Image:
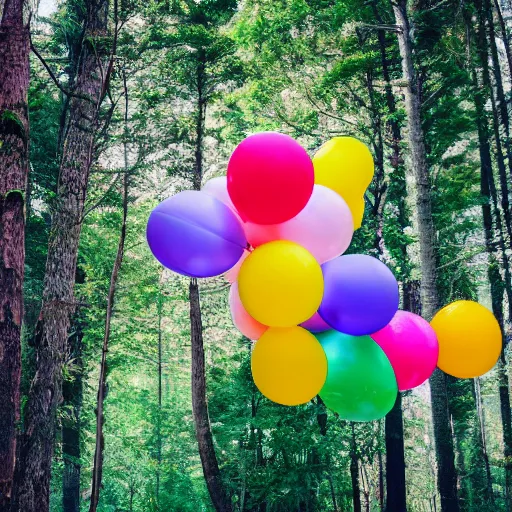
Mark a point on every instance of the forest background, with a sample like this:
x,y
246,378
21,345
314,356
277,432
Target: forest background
x,y
107,107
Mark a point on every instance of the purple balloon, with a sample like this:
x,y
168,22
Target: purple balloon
x,y
315,324
195,234
360,294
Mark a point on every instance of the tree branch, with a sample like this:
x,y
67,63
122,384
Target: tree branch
x,y
53,77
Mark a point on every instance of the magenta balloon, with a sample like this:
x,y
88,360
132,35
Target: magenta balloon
x,y
315,324
270,178
411,347
244,322
196,235
218,188
324,227
360,294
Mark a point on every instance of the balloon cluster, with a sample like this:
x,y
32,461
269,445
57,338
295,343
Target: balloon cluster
x,y
326,323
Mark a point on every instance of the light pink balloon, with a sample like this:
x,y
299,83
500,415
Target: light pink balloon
x,y
218,188
324,227
244,322
232,274
316,324
411,347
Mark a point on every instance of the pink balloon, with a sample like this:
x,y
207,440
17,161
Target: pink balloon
x,y
218,188
232,274
244,322
324,227
411,346
316,324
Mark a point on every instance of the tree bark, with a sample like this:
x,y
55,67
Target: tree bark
x,y
446,474
72,392
481,426
159,418
200,407
488,192
32,481
394,430
354,471
395,459
14,145
204,434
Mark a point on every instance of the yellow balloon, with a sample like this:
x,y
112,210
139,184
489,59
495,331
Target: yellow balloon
x,y
357,210
280,284
469,339
288,365
345,165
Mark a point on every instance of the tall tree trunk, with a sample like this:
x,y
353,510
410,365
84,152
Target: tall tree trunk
x,y
159,418
32,481
97,472
446,481
488,192
394,430
395,459
500,117
354,471
204,434
504,35
72,392
477,394
14,143
200,407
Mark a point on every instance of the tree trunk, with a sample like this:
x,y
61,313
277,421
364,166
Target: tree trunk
x,y
481,426
72,391
32,481
204,434
200,407
500,116
504,35
159,418
14,143
97,472
395,459
394,430
487,190
446,481
354,471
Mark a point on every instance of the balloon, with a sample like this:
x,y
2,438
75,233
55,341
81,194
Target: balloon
x,y
218,188
195,235
357,210
360,384
244,322
315,324
360,295
232,274
324,227
469,339
280,284
411,347
270,178
288,365
345,165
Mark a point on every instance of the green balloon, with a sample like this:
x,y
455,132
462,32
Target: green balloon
x,y
361,383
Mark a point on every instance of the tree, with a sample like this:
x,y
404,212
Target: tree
x,y
14,163
31,491
102,386
447,480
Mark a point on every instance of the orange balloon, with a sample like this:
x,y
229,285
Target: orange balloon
x,y
469,338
